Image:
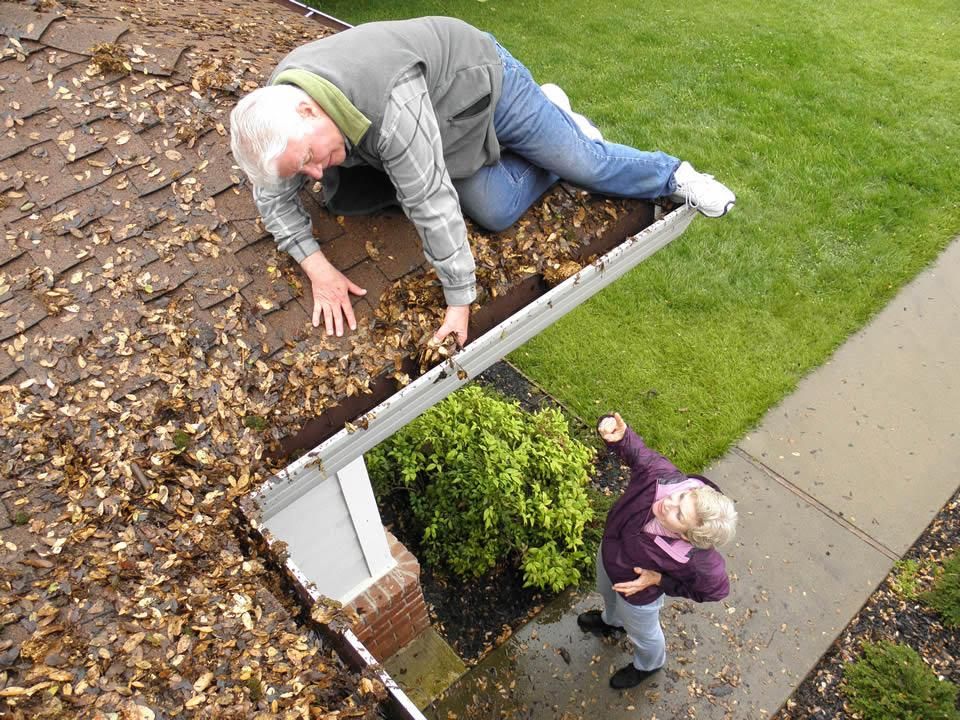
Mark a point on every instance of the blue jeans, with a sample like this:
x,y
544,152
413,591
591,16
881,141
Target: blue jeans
x,y
539,145
641,622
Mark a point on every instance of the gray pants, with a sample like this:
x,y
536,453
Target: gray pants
x,y
641,622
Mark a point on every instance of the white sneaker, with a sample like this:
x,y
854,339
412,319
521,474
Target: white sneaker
x,y
701,192
558,97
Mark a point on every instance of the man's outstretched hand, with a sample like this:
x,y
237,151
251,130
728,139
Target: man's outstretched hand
x,y
455,321
331,294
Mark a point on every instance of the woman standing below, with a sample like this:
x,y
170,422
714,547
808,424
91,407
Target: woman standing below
x,y
660,539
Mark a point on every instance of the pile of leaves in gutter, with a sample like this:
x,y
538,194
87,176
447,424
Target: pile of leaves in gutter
x,y
896,613
122,587
545,242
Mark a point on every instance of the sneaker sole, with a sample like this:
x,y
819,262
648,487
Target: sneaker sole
x,y
726,209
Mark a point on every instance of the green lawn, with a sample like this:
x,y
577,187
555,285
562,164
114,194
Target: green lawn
x,y
837,125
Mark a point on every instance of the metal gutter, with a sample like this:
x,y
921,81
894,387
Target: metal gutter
x,y
400,704
380,423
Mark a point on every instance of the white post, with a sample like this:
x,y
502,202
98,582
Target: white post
x,y
358,494
334,533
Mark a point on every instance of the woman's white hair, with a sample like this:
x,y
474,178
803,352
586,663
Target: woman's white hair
x,y
261,125
718,519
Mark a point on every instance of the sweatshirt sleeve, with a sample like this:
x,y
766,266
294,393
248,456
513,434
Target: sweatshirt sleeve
x,y
412,156
284,217
708,581
645,464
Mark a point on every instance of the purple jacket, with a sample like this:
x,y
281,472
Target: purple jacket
x,y
687,571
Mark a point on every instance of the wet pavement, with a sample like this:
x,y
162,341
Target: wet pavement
x,y
832,487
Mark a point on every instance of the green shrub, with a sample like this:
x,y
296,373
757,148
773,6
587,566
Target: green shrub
x,y
944,596
181,439
487,481
905,579
256,422
891,682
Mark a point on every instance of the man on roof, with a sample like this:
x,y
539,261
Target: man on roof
x,y
454,123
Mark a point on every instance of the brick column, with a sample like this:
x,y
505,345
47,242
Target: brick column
x,y
392,610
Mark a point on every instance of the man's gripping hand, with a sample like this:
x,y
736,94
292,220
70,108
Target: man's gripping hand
x,y
331,294
455,321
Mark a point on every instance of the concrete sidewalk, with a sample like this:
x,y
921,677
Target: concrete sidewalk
x,y
834,485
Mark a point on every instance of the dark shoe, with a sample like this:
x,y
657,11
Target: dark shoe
x,y
592,621
629,676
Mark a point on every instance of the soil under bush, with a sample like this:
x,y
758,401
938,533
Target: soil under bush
x,y
475,616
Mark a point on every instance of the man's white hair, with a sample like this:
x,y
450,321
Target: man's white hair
x,y
261,125
718,519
